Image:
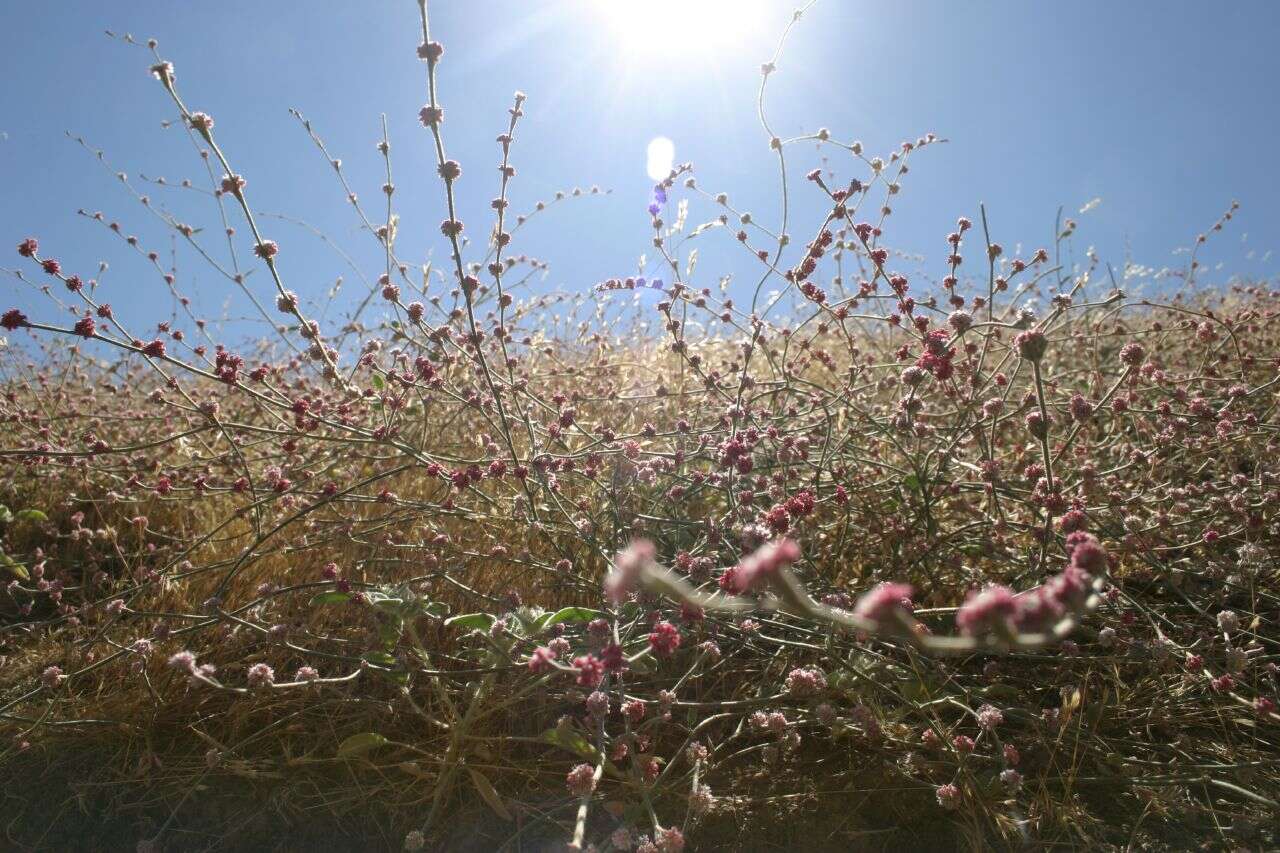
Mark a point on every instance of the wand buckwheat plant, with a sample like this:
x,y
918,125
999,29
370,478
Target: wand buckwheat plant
x,y
973,554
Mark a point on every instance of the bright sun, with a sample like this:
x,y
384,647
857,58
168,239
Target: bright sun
x,y
659,157
697,36
711,28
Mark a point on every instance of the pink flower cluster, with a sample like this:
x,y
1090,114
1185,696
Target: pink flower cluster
x,y
997,608
806,681
581,780
949,796
759,566
883,601
664,639
628,567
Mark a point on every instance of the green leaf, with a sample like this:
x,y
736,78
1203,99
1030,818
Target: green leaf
x,y
840,679
573,614
380,658
476,621
570,740
394,606
360,744
30,515
489,794
543,619
333,597
14,566
378,381
912,482
436,609
396,676
530,619
389,633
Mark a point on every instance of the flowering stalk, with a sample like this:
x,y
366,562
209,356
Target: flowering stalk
x,y
997,620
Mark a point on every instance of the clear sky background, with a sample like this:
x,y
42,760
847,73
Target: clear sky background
x,y
1166,111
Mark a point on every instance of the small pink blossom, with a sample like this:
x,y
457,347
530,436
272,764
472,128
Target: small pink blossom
x,y
261,675
628,568
52,676
541,660
987,610
762,564
949,796
664,639
884,601
581,780
806,681
590,670
989,717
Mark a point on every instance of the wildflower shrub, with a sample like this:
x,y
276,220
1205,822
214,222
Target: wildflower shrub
x,y
924,563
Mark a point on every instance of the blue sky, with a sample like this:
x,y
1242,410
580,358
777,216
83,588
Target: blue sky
x,y
1164,111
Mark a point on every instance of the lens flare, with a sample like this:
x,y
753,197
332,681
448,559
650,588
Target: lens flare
x,y
659,158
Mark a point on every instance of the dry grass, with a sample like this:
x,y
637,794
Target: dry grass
x,y
1146,752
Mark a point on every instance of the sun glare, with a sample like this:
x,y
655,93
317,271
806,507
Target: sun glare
x,y
706,27
659,157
